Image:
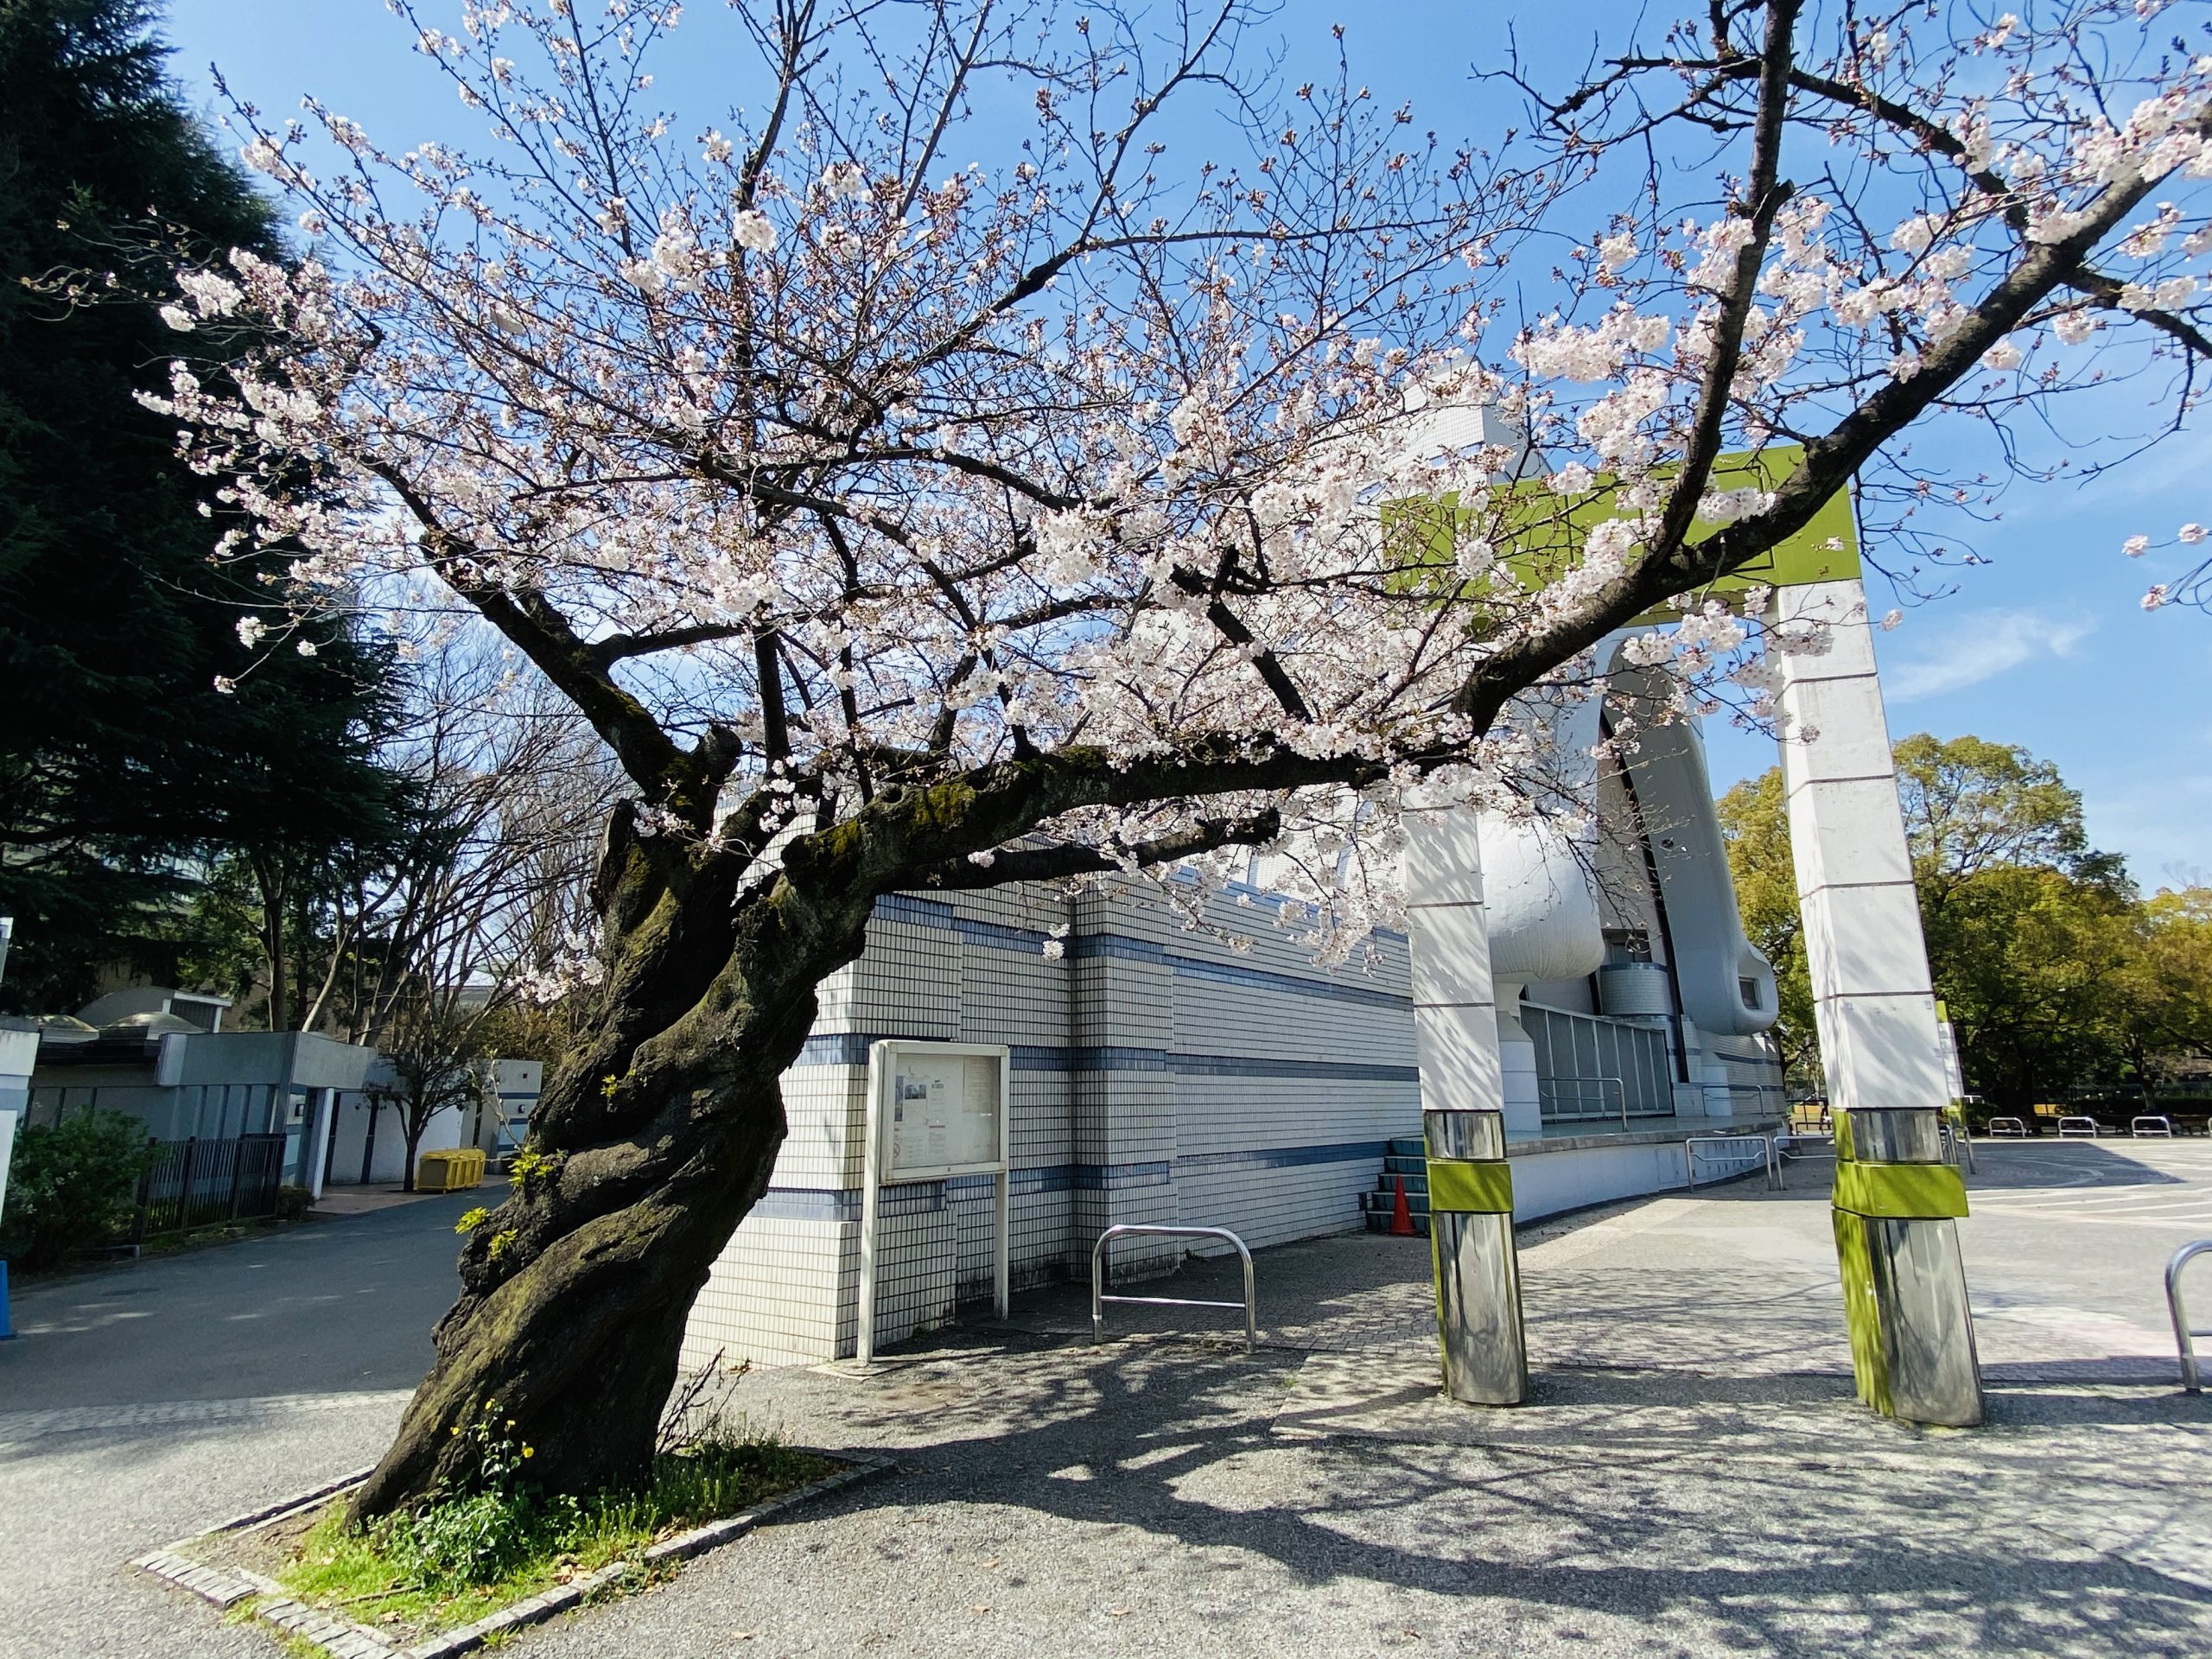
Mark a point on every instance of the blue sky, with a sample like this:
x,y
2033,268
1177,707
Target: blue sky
x,y
2045,646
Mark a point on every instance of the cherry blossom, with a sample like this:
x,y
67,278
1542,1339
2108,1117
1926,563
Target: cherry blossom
x,y
906,505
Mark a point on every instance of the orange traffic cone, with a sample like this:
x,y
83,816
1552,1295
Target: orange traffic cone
x,y
1401,1214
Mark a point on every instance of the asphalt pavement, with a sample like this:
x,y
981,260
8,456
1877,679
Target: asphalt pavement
x,y
327,1307
142,1402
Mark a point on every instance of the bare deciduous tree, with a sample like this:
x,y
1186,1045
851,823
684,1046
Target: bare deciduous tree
x,y
478,903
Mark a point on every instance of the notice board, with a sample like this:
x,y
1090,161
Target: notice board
x,y
940,1108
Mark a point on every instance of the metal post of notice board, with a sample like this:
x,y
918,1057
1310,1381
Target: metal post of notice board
x,y
935,1111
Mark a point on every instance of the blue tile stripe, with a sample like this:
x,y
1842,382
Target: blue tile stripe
x,y
1224,973
936,913
850,1048
922,1198
1240,1065
1343,1152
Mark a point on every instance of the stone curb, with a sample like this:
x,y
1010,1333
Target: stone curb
x,y
277,1511
343,1639
682,1548
220,1588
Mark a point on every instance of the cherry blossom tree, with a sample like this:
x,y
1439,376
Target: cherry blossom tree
x,y
906,516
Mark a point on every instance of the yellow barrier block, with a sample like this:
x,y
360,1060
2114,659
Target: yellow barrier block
x,y
450,1172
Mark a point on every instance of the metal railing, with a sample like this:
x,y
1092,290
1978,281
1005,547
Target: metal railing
x,y
1131,1229
1757,1146
2157,1124
2077,1129
1742,1099
1958,1147
2185,1339
2006,1128
1820,1145
1579,1056
1561,1113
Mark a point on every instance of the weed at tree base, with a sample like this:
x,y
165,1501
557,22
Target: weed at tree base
x,y
460,1558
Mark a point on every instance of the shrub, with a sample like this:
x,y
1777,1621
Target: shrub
x,y
72,1187
292,1202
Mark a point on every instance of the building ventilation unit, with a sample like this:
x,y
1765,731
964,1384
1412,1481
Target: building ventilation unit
x,y
1634,990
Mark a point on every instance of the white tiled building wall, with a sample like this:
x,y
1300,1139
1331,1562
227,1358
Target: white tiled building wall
x,y
1158,1074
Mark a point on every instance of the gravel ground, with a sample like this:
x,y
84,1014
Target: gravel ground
x,y
1154,1498
1692,1478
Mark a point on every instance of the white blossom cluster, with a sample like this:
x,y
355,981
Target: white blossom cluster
x,y
878,464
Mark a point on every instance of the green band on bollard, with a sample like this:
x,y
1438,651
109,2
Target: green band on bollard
x,y
1900,1192
1455,1184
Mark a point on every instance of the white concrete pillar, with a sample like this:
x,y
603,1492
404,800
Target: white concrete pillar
x,y
1455,1012
1904,1290
1874,1000
322,1109
1520,1089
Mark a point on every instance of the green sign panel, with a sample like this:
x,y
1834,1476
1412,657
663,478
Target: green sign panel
x,y
1539,534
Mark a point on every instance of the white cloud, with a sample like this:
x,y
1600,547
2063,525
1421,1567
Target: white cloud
x,y
1977,646
2159,823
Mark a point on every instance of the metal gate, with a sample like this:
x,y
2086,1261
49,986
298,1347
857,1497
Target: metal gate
x,y
195,1183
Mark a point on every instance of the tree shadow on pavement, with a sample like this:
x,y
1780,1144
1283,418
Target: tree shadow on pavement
x,y
2000,1164
1756,1514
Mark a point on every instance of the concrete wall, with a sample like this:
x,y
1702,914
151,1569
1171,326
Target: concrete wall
x,y
388,1153
1548,1183
1159,1074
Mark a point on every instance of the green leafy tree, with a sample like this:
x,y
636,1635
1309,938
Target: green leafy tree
x,y
2026,957
1971,805
1755,826
2036,942
2165,985
2022,918
124,763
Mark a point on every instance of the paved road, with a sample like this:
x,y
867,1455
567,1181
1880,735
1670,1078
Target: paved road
x,y
1154,1499
141,1404
1694,1479
2066,1250
332,1307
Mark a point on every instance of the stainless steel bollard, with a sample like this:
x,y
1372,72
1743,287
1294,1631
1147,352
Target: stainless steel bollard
x,y
1897,1205
1478,1267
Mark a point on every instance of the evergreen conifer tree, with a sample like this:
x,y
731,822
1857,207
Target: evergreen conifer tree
x,y
126,763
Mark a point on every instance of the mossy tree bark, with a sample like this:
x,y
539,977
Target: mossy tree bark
x,y
658,1133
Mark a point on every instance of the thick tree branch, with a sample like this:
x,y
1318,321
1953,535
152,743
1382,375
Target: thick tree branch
x,y
1058,863
621,646
1231,627
648,754
2106,291
910,828
1831,460
1765,194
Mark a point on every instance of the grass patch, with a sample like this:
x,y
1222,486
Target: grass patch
x,y
471,1556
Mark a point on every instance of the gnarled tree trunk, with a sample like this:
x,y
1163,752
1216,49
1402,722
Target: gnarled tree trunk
x,y
659,1132
653,1143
